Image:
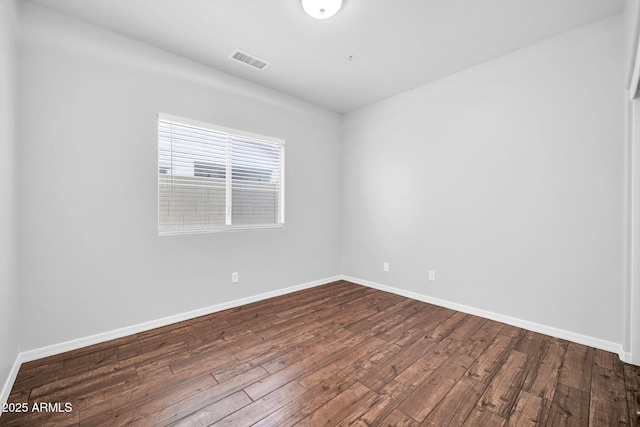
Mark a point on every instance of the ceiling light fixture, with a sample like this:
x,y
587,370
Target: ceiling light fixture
x,y
321,9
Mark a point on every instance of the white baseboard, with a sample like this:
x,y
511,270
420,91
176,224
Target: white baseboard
x,y
8,384
51,350
513,321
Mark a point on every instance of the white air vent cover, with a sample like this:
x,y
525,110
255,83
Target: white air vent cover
x,y
249,60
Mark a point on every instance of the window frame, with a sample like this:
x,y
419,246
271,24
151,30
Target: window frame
x,y
230,134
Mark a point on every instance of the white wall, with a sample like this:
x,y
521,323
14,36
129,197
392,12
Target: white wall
x,y
632,187
631,28
632,342
91,257
506,179
9,295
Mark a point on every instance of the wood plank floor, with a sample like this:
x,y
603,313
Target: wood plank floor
x,y
339,354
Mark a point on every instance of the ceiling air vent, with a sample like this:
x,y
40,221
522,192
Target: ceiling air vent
x,y
249,60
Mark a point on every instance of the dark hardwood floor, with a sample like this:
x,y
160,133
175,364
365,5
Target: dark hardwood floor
x,y
339,354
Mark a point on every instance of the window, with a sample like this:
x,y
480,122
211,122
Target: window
x,y
213,179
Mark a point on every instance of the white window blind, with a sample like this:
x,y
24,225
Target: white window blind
x,y
212,178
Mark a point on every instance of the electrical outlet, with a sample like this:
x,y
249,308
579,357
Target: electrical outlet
x,y
432,275
385,266
234,277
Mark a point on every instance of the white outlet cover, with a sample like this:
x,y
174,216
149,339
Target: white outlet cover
x,y
385,266
432,275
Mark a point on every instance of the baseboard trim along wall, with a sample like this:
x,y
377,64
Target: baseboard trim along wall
x,y
51,350
13,374
513,321
39,353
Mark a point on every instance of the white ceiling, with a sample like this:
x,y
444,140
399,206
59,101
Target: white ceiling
x,y
395,44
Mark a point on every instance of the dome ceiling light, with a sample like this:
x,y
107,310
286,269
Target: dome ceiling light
x,y
321,9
